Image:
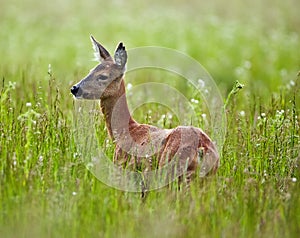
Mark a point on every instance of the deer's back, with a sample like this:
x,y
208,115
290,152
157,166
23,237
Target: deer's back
x,y
147,144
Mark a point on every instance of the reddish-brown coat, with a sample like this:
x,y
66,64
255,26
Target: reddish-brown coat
x,y
138,143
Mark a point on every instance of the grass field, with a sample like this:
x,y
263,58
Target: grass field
x,y
45,188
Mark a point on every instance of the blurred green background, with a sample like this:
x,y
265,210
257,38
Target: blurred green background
x,y
256,42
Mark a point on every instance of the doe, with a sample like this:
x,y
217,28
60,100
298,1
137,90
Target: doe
x,y
187,148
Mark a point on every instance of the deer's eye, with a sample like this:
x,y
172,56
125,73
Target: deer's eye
x,y
103,77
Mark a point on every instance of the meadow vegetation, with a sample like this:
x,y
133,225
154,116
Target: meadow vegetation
x,y
45,188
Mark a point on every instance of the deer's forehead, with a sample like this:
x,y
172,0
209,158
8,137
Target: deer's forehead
x,y
104,69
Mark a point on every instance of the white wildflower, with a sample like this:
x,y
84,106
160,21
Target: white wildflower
x,y
41,158
279,113
194,101
129,86
201,83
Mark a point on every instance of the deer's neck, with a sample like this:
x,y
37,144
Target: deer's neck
x,y
116,113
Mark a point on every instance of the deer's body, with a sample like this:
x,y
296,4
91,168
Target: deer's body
x,y
139,143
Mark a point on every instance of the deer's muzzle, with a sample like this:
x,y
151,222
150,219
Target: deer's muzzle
x,y
76,91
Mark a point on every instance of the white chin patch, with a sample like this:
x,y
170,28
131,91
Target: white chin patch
x,y
77,97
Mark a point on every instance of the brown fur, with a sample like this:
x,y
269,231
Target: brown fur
x,y
137,143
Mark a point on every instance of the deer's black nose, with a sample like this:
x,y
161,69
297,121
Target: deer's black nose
x,y
74,90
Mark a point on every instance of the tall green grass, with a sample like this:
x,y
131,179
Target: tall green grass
x,y
45,189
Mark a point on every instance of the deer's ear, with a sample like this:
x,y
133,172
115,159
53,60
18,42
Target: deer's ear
x,y
121,55
101,54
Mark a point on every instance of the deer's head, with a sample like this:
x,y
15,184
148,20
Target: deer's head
x,y
105,79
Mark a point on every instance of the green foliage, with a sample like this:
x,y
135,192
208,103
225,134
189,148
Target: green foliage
x,y
46,190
